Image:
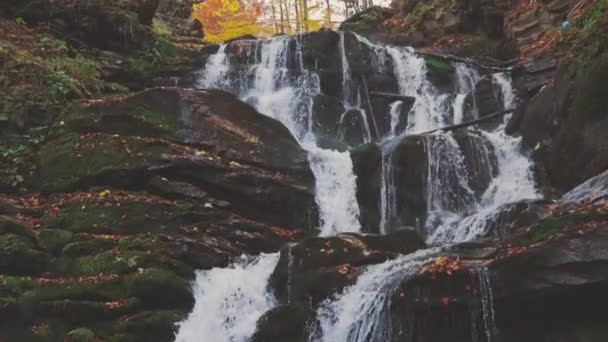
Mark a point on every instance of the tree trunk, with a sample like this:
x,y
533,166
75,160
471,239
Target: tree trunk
x,y
295,3
282,26
328,14
273,14
304,11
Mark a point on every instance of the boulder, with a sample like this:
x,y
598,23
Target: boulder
x,y
366,160
563,122
315,268
556,268
286,323
121,25
201,142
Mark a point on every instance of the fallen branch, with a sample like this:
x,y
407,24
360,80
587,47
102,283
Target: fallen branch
x,y
406,99
471,123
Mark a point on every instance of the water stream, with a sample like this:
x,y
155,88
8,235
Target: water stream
x,y
265,77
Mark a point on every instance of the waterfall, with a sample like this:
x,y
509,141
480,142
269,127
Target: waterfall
x,y
360,314
351,96
276,90
229,301
513,182
466,78
485,311
271,75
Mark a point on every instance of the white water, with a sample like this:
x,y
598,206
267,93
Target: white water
x,y
287,96
360,314
351,95
513,182
455,212
229,301
466,78
487,303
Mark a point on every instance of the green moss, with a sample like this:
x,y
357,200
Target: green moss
x,y
554,224
166,123
81,335
129,218
72,160
109,263
159,324
148,284
437,63
13,287
93,290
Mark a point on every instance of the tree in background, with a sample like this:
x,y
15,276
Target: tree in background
x,y
226,19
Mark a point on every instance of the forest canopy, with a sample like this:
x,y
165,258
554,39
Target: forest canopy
x,y
226,19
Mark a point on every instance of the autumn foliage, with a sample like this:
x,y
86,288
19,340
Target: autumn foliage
x,y
226,19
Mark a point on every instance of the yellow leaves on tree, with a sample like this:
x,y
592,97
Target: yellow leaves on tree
x,y
226,19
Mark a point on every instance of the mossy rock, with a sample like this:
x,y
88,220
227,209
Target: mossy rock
x,y
126,118
367,21
18,255
287,323
150,283
80,335
126,261
53,240
12,287
73,160
554,224
150,325
9,225
125,217
87,247
99,290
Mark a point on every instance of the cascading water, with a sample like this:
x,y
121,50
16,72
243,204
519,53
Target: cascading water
x,y
285,94
454,210
466,78
229,301
359,314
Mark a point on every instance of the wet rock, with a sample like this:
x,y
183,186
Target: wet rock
x,y
485,100
366,159
563,122
315,268
327,111
594,189
288,323
533,269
